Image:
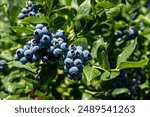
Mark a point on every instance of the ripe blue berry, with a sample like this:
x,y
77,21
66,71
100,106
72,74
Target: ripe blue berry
x,y
37,32
45,30
39,26
72,47
21,15
24,10
78,62
45,39
68,62
63,46
57,52
20,52
16,57
23,60
31,13
73,71
28,54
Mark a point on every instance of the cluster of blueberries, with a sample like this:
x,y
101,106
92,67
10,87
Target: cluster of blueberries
x,y
130,82
130,33
47,46
2,64
30,10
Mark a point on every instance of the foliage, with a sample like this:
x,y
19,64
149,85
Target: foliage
x,y
120,65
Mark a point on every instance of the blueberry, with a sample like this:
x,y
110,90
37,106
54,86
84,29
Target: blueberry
x,y
60,40
63,46
35,49
31,13
73,71
66,69
51,48
57,52
24,10
79,47
26,47
35,57
2,62
68,62
45,30
78,53
28,54
72,47
71,54
21,15
16,58
59,33
37,32
23,60
20,52
29,2
78,62
45,39
87,55
39,26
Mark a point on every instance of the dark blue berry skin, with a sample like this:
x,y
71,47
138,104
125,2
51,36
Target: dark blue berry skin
x,y
72,47
35,58
21,15
59,33
78,63
57,52
28,54
26,47
30,10
71,54
78,53
46,31
87,55
73,71
23,60
24,10
29,2
45,39
39,26
38,34
2,62
16,58
20,52
63,46
35,50
68,62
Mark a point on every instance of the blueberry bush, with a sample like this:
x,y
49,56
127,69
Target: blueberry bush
x,y
74,49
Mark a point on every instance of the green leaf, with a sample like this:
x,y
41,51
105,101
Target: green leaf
x,y
35,20
133,64
126,52
107,78
113,12
19,65
81,42
47,74
19,29
90,73
103,59
119,91
84,10
107,4
96,45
